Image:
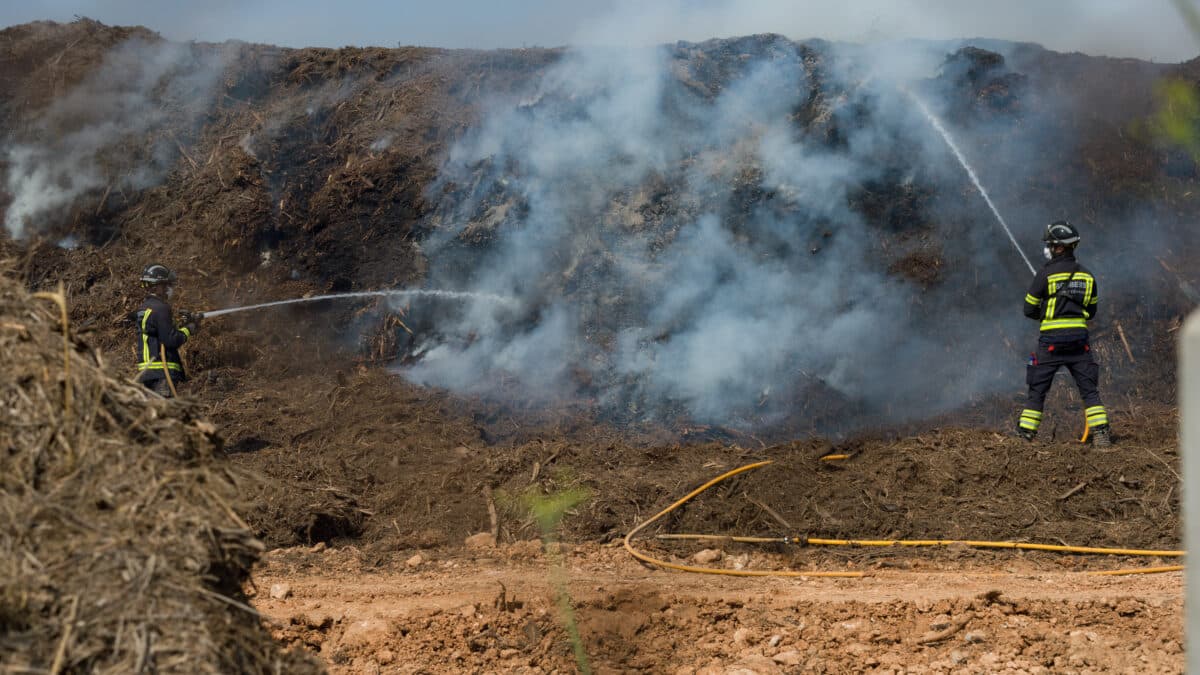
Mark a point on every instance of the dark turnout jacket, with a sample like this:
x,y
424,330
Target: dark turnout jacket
x,y
1063,297
156,326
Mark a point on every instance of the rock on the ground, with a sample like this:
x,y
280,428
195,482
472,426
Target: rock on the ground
x,y
280,591
480,541
790,657
708,555
975,636
366,632
753,665
414,561
940,622
525,550
318,619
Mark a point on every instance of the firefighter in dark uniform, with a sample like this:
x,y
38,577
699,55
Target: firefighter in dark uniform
x,y
159,337
1063,298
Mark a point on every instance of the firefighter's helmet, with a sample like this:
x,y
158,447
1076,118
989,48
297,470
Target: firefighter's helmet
x,y
1061,233
158,274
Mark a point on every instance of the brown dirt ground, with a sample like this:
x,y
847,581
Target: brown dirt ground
x,y
1018,614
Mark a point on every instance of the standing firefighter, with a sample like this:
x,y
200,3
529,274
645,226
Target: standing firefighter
x,y
159,338
1063,298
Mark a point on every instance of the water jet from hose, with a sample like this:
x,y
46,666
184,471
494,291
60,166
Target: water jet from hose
x,y
451,295
937,124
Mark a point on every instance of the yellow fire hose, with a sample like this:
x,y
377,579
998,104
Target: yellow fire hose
x,y
1139,570
708,570
813,541
869,542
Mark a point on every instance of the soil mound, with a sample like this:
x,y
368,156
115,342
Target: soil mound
x,y
120,550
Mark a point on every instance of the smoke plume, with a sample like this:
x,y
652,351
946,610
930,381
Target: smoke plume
x,y
119,129
689,230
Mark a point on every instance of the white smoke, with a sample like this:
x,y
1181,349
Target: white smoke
x,y
719,304
690,229
115,130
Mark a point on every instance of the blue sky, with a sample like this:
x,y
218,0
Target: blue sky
x,y
1149,29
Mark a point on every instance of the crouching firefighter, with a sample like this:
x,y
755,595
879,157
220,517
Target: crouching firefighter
x,y
1063,298
159,337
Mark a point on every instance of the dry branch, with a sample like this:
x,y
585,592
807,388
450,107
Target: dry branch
x,y
938,636
1184,286
495,521
103,199
1069,493
780,519
1121,333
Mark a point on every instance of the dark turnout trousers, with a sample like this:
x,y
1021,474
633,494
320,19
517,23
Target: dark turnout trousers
x,y
159,386
1039,375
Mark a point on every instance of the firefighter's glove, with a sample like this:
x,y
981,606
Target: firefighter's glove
x,y
190,321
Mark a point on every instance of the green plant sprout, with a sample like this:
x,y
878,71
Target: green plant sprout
x,y
1177,120
548,510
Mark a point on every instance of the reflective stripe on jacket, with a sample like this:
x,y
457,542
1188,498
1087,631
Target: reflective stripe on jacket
x,y
156,327
1063,297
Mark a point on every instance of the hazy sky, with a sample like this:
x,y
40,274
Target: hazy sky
x,y
1148,29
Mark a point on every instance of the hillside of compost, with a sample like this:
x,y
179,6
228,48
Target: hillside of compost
x,y
707,252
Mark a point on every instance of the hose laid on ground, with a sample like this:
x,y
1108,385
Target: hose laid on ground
x,y
708,570
1139,570
869,542
812,541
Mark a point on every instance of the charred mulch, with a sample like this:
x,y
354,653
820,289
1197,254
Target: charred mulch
x,y
120,546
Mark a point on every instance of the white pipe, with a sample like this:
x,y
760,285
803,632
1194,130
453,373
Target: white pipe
x,y
1189,415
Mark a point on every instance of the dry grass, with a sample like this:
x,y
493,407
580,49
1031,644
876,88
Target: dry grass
x,y
120,546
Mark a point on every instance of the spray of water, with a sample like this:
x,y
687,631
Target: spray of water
x,y
937,124
452,295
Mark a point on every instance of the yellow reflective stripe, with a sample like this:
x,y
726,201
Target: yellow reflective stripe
x,y
145,337
1032,300
1063,276
1054,280
1073,322
1035,414
186,332
1031,419
1093,422
1094,409
157,365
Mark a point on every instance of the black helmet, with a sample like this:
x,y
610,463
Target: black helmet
x,y
157,274
1062,233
